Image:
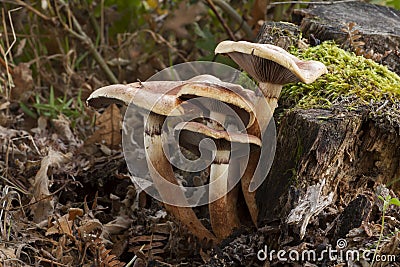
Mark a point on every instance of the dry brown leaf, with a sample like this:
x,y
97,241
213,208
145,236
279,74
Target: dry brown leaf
x,y
145,248
182,16
63,129
118,225
43,205
90,227
6,253
61,226
393,246
109,128
23,81
162,228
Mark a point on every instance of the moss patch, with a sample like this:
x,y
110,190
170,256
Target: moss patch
x,y
352,81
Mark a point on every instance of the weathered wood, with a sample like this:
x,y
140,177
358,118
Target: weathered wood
x,y
379,27
346,149
352,216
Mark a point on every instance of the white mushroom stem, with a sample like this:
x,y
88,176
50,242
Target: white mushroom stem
x,y
223,211
224,216
271,94
160,170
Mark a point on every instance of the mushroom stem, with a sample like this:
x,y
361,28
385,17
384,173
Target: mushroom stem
x,y
224,216
271,94
223,211
264,112
161,172
250,197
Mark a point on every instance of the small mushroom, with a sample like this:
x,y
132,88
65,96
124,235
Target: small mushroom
x,y
160,99
272,67
223,207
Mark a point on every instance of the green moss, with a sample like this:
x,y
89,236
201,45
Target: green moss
x,y
352,80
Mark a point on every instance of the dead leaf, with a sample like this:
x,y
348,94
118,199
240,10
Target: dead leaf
x,y
118,225
20,48
41,194
184,15
148,238
61,226
109,128
63,129
23,81
6,253
162,228
90,228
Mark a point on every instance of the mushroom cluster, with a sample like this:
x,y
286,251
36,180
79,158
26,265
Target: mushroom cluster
x,y
233,117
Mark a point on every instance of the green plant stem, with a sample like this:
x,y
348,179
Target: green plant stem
x,y
236,17
86,40
223,23
81,35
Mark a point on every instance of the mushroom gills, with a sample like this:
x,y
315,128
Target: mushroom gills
x,y
264,70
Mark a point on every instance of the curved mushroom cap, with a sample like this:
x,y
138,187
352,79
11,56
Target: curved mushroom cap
x,y
191,133
270,63
239,99
157,96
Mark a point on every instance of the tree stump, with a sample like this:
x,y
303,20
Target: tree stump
x,y
350,150
379,27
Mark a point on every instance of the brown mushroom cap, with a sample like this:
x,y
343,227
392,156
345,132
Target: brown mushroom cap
x,y
159,97
270,63
239,99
